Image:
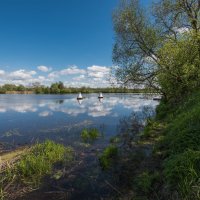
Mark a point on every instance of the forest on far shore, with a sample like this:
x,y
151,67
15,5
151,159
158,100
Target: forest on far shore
x,y
60,88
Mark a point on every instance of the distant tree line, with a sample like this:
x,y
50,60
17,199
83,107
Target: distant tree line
x,y
59,88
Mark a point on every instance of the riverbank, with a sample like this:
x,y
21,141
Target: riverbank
x,y
164,161
19,92
158,161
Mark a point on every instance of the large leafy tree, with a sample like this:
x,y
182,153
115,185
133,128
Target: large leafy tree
x,y
159,48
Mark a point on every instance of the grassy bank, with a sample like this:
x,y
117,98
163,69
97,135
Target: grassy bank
x,y
176,143
32,166
179,147
164,163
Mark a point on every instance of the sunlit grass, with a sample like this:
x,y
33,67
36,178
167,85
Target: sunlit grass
x,y
34,165
180,145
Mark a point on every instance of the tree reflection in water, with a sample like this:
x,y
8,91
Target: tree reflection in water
x,y
130,126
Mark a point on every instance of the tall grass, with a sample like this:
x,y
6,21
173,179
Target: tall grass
x,y
34,165
39,162
181,144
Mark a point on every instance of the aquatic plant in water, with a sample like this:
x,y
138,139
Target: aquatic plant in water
x,y
107,157
89,135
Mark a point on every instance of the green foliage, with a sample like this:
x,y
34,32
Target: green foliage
x,y
179,67
39,161
154,52
89,135
184,125
2,90
144,181
108,156
180,145
59,88
35,164
184,170
152,128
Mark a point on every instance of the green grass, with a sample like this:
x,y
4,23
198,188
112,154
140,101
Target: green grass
x,y
108,156
180,146
39,162
144,181
184,170
89,135
34,165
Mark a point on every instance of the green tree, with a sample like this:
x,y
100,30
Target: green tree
x,y
55,88
21,88
10,87
61,85
158,48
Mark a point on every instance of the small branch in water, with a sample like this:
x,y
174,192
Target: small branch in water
x,y
113,187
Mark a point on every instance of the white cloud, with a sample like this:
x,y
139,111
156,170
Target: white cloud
x,y
21,74
79,78
92,76
72,70
53,75
98,68
98,71
2,110
2,72
44,68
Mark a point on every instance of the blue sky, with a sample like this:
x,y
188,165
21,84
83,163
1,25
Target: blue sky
x,y
51,40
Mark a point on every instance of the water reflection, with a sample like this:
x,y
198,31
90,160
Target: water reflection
x,y
91,106
45,113
80,101
100,100
31,113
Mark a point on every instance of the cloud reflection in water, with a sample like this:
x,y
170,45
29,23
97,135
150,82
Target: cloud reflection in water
x,y
90,106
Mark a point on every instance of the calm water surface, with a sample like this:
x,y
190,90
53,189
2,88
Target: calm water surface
x,y
26,118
